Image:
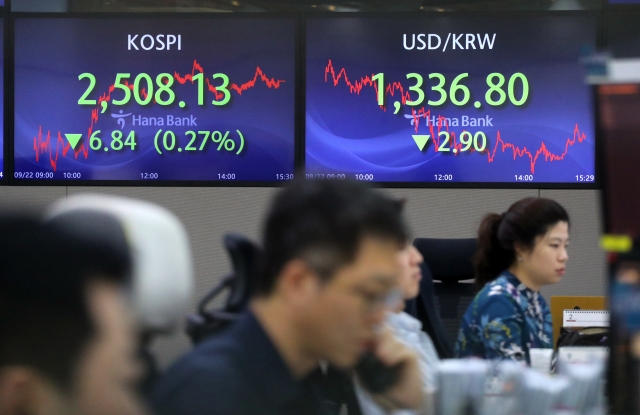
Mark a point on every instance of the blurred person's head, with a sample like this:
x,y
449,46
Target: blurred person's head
x,y
410,259
410,273
530,239
67,339
331,266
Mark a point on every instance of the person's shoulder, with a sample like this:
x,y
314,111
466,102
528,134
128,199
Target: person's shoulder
x,y
505,285
207,380
498,296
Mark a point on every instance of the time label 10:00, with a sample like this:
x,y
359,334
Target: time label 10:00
x,y
143,88
459,94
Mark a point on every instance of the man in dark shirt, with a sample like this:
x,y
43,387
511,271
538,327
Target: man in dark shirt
x,y
329,275
67,331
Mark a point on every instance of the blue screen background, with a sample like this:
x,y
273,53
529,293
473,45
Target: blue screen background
x,y
52,52
348,133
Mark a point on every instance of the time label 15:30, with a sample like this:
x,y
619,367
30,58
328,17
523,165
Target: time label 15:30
x,y
458,93
144,89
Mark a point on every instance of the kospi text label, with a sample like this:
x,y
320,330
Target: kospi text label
x,y
154,42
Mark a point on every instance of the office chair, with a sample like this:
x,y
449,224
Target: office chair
x,y
245,260
162,268
444,297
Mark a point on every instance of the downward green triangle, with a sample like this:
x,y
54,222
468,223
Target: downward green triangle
x,y
73,139
421,140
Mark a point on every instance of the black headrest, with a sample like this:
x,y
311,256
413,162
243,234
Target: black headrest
x,y
245,258
449,260
246,261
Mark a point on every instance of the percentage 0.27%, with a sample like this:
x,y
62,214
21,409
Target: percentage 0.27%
x,y
169,142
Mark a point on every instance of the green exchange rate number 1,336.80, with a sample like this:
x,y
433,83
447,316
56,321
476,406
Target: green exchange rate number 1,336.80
x,y
459,94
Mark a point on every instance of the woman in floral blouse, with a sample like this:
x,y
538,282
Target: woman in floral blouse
x,y
519,251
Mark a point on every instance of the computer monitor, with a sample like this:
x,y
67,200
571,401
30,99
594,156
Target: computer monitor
x,y
476,99
148,99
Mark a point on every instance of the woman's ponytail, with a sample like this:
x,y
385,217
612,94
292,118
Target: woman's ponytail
x,y
491,257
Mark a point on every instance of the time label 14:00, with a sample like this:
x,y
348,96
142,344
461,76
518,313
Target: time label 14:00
x,y
144,89
458,93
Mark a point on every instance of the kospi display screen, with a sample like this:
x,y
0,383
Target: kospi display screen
x,y
487,99
158,99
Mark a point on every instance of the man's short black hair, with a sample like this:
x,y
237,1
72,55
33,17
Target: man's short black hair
x,y
324,222
44,272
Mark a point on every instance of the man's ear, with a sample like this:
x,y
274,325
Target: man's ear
x,y
298,282
18,390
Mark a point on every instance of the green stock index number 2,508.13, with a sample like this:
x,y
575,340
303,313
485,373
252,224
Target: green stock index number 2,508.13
x,y
494,96
143,87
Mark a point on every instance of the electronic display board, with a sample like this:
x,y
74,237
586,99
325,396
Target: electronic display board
x,y
154,98
450,98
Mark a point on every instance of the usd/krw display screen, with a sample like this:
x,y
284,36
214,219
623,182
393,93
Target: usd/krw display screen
x,y
450,98
160,99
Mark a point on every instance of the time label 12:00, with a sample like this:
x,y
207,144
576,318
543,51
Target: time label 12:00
x,y
458,93
144,89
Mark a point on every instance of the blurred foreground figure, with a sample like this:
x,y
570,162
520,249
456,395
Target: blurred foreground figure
x,y
329,276
161,268
67,334
161,285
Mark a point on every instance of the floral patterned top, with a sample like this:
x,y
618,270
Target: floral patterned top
x,y
504,321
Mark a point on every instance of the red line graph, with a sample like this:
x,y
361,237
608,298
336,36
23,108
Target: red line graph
x,y
500,144
42,145
356,87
